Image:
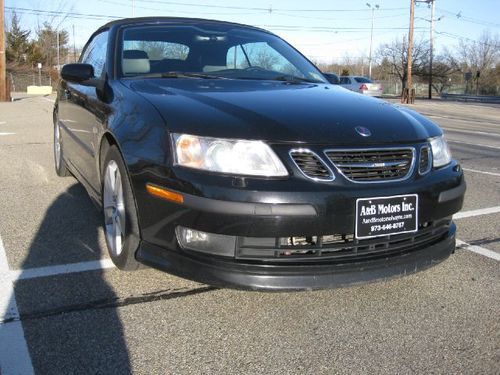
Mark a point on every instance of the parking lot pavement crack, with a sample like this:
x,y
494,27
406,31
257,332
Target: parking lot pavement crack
x,y
111,303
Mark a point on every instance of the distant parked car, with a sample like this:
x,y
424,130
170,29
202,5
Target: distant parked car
x,y
362,85
332,78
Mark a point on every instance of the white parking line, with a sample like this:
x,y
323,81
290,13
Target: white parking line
x,y
471,131
474,144
479,250
483,172
14,354
481,211
32,273
7,134
2,122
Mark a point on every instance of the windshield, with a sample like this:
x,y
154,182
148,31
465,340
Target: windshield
x,y
211,51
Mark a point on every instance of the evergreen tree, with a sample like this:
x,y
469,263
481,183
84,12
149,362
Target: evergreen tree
x,y
18,43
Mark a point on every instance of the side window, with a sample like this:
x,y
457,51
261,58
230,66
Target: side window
x,y
344,81
95,53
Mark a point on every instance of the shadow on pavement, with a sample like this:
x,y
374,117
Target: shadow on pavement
x,y
60,337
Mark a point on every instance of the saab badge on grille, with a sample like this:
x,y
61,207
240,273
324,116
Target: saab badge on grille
x,y
362,131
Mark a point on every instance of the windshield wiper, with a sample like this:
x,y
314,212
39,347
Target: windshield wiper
x,y
176,75
294,79
189,75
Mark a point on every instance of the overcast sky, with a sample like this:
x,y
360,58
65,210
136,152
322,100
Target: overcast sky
x,y
325,31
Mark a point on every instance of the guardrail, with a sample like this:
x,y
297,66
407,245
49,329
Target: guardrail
x,y
471,98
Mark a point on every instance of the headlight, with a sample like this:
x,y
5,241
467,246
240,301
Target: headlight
x,y
231,156
441,154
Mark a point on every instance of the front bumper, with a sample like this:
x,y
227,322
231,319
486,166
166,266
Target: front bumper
x,y
223,272
276,209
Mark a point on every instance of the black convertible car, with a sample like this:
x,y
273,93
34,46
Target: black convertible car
x,y
219,153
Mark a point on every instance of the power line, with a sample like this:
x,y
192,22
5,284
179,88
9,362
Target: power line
x,y
270,9
329,28
177,12
335,19
274,27
477,21
458,37
60,13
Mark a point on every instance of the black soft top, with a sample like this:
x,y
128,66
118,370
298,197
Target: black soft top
x,y
173,20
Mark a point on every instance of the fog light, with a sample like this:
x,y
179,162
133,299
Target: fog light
x,y
210,243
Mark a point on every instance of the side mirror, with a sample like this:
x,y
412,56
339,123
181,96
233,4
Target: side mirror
x,y
77,72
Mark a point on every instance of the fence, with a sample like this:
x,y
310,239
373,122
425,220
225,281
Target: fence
x,y
394,88
20,80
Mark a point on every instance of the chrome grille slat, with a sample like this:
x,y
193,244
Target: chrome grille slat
x,y
373,165
311,165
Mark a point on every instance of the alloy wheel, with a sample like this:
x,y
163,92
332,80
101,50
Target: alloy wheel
x,y
57,146
114,208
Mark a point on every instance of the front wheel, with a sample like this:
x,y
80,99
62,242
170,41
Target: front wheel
x,y
121,225
59,163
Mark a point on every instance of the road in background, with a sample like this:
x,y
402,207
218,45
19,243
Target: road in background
x,y
104,321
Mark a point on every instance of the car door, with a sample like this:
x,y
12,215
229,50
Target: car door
x,y
81,113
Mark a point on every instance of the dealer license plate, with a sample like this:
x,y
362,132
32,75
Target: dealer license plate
x,y
382,216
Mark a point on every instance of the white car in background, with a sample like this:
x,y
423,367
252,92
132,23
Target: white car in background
x,y
361,85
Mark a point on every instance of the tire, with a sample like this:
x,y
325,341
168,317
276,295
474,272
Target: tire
x,y
121,225
59,163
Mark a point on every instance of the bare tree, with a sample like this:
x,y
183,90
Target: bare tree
x,y
393,58
480,58
47,39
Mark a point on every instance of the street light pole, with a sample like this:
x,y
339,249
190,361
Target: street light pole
x,y
371,38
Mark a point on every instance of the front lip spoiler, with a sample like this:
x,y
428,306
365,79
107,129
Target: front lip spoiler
x,y
230,273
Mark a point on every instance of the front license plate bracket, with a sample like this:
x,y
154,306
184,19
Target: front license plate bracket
x,y
383,216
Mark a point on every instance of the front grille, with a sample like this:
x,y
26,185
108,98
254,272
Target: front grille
x,y
373,165
339,247
424,165
311,165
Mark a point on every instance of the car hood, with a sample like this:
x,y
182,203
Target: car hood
x,y
280,112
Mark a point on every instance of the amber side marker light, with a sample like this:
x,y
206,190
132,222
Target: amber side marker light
x,y
164,193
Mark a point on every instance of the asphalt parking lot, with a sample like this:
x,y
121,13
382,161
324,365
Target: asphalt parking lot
x,y
67,310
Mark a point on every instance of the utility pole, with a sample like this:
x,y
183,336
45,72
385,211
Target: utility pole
x,y
431,48
3,74
58,57
74,45
407,96
371,39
